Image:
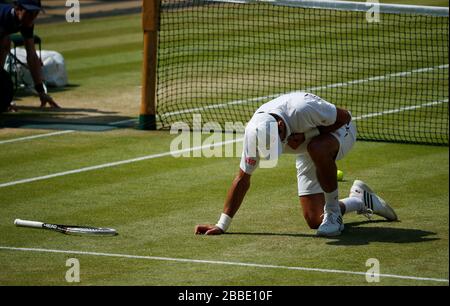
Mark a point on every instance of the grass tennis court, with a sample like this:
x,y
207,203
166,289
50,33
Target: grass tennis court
x,y
155,203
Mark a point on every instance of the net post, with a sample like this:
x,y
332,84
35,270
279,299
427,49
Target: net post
x,y
150,23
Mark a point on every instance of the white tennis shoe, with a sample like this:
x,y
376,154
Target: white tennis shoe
x,y
332,224
373,204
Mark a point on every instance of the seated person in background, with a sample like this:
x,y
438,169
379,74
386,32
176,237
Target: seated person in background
x,y
20,17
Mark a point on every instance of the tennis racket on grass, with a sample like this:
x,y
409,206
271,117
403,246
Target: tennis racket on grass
x,y
68,229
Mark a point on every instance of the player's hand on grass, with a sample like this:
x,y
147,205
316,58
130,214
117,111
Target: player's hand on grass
x,y
207,229
45,98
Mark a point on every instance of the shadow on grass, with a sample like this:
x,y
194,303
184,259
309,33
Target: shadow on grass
x,y
299,235
355,234
22,93
36,110
66,118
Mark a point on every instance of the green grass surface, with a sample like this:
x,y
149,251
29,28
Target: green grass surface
x,y
155,205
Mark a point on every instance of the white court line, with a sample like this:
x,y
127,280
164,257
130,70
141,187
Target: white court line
x,y
36,136
336,85
215,262
58,133
123,121
401,109
113,164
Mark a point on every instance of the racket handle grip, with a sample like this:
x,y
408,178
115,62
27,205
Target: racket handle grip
x,y
26,223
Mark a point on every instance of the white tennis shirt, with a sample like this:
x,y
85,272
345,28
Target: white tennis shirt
x,y
300,111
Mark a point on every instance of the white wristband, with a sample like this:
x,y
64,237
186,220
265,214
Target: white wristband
x,y
312,133
224,222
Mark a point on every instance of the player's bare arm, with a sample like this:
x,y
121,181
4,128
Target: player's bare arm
x,y
233,201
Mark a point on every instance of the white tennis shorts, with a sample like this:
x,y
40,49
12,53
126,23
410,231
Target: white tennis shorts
x,y
306,170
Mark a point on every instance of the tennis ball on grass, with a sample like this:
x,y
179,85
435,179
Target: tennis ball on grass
x,y
340,175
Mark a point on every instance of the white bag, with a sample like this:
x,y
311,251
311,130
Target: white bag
x,y
54,69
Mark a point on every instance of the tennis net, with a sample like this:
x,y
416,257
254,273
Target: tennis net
x,y
387,64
